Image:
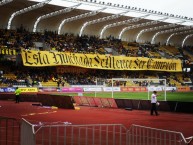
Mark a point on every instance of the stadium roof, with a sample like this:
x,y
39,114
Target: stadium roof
x,y
133,20
179,10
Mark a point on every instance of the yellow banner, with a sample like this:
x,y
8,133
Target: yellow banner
x,y
48,58
7,51
34,90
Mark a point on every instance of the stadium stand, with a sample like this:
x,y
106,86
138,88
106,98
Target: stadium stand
x,y
84,44
21,37
29,26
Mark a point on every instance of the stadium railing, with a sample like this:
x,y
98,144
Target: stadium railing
x,y
98,134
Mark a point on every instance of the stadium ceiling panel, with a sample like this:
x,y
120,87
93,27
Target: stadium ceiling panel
x,y
156,28
188,36
25,10
134,14
118,8
177,33
65,10
92,13
170,31
121,23
122,16
140,25
100,20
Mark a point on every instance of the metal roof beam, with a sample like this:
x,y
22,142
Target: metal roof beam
x,y
62,11
120,23
140,25
100,20
157,28
177,33
3,2
25,10
170,31
188,36
92,13
133,9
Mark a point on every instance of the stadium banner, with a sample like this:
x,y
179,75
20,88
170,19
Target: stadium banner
x,y
70,69
94,102
171,88
183,89
161,88
133,89
27,90
153,88
47,89
110,89
36,58
7,51
73,89
7,90
88,86
12,89
94,89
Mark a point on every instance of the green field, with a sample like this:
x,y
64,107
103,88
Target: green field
x,y
170,96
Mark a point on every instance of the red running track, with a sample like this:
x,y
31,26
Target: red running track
x,y
179,122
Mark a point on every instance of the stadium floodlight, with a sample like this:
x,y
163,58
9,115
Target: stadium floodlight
x,y
100,20
188,36
140,25
27,9
92,13
65,10
120,23
3,2
170,31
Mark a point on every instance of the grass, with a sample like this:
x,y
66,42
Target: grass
x,y
170,96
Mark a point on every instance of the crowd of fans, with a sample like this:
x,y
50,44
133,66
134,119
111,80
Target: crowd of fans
x,y
34,76
22,39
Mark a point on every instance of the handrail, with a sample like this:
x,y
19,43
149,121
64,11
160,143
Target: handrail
x,y
189,140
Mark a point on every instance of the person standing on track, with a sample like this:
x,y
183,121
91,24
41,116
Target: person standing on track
x,y
17,95
154,103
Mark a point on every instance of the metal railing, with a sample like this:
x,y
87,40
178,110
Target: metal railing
x,y
64,133
142,135
93,134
